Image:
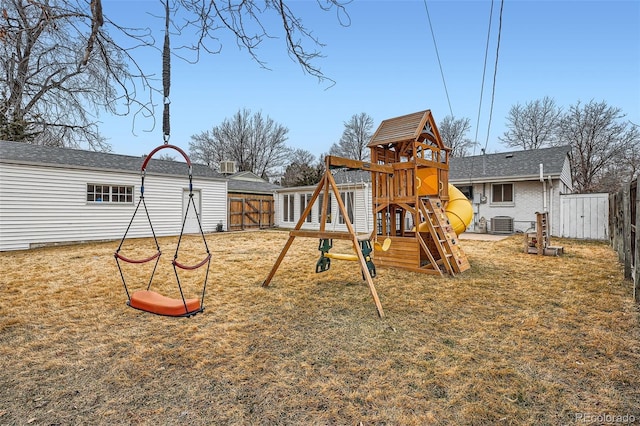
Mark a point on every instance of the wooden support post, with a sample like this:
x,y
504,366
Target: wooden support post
x,y
287,245
356,245
278,261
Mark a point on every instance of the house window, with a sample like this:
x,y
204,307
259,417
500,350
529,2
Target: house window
x,y
321,206
502,193
304,201
109,194
287,207
347,200
467,191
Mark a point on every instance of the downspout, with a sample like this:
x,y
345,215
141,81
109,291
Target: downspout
x,y
550,206
544,189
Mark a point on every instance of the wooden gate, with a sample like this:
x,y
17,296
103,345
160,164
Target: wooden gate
x,y
584,216
248,211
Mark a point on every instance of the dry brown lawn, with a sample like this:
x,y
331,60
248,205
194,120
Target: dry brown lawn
x,y
518,339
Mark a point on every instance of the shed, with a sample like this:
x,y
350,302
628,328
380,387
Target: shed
x,y
251,201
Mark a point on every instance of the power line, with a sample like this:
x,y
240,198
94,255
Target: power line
x,y
495,73
484,71
433,36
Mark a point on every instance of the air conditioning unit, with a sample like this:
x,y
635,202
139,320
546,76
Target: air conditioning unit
x,y
502,225
227,167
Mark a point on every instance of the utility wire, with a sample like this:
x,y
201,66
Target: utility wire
x,y
495,73
484,71
433,36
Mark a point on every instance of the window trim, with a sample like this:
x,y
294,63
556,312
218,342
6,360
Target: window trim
x,y
304,202
288,206
92,192
502,202
349,200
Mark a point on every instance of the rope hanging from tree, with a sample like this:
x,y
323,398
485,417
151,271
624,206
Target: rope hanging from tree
x,y
166,76
148,300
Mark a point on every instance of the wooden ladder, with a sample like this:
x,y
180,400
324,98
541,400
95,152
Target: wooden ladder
x,y
542,226
446,240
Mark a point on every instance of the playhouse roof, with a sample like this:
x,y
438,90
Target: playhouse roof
x,y
406,128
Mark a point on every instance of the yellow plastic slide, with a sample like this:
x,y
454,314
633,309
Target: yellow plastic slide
x,y
459,211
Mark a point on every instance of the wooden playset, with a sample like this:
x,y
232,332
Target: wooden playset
x,y
417,213
417,192
539,242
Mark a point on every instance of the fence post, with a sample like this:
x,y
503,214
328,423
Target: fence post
x,y
618,223
612,220
636,263
621,225
626,241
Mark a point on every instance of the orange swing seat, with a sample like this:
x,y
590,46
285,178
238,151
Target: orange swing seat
x,y
155,303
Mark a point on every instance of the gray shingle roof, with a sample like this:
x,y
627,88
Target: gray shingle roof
x,y
23,153
514,164
249,182
251,187
352,176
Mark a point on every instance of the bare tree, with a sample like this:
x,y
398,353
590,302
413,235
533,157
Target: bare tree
x,y
59,67
355,137
167,157
601,141
453,133
246,20
532,126
254,142
303,170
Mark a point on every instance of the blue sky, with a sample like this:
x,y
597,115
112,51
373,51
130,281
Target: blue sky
x,y
385,64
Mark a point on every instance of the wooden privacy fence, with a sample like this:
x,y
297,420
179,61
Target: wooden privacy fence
x,y
248,211
624,225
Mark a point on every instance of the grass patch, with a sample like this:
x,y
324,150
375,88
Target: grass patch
x,y
518,339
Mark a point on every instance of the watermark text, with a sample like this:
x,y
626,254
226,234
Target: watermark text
x,y
624,419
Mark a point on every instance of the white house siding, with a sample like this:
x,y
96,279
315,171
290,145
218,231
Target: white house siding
x,y
528,199
363,220
43,205
565,177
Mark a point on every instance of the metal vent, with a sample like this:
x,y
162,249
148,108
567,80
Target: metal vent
x,y
227,167
502,225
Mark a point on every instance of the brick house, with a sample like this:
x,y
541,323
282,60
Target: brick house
x,y
508,188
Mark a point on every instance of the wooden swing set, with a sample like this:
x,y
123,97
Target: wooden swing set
x,y
409,173
326,186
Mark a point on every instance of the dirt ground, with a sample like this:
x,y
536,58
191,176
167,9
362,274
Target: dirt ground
x,y
518,339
